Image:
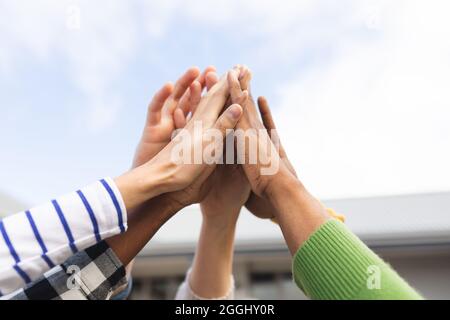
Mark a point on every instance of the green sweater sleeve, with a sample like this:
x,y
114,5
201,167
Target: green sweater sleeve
x,y
334,264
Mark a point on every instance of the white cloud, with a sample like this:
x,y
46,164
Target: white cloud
x,y
111,31
103,115
374,120
369,118
96,53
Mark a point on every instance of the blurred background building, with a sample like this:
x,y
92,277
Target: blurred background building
x,y
411,232
9,205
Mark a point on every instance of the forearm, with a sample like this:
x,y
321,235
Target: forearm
x,y
142,184
143,223
211,272
298,213
330,262
147,210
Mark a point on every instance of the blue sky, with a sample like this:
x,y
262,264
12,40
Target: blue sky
x,y
361,103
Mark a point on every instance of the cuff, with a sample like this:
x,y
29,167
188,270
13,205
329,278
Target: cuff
x,y
185,291
335,264
101,272
112,211
124,292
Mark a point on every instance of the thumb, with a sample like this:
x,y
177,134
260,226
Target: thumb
x,y
229,118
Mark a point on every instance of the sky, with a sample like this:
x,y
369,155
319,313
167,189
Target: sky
x,y
360,89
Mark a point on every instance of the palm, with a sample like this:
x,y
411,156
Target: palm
x,y
229,190
167,112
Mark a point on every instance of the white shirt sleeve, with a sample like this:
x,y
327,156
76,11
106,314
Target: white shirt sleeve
x,y
185,291
34,241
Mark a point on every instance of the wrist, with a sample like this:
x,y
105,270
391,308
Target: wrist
x,y
286,191
298,213
220,222
213,261
140,185
215,209
143,223
171,206
281,184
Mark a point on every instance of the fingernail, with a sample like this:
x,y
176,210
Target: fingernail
x,y
242,73
235,112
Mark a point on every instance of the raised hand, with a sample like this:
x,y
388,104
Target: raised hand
x,y
268,162
163,174
209,180
259,206
195,136
222,196
143,183
229,187
168,111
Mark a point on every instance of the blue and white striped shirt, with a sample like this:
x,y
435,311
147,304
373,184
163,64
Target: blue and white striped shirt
x,y
36,240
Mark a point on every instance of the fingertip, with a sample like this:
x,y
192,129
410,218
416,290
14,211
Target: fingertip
x,y
235,111
196,93
203,77
262,101
160,96
231,75
243,72
211,79
194,70
168,86
212,75
195,86
179,118
192,73
210,68
178,111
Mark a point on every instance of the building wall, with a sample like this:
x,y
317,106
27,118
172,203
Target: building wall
x,y
412,233
8,205
267,275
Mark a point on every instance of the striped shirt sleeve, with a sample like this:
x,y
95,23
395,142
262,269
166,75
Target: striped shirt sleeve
x,y
34,241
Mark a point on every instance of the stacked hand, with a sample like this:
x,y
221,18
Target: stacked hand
x,y
216,149
168,175
226,186
171,109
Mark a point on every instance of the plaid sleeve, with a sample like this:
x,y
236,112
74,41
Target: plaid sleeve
x,y
93,274
34,241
